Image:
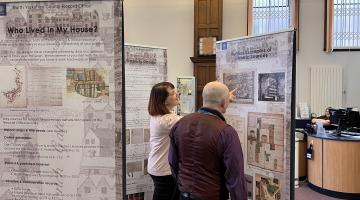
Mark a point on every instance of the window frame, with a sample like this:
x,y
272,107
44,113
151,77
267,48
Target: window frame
x,y
328,29
294,16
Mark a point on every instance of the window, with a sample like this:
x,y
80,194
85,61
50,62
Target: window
x,y
108,116
92,141
87,141
342,24
266,16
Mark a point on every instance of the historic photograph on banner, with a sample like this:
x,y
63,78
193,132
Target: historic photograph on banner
x,y
265,141
60,80
272,87
267,188
243,83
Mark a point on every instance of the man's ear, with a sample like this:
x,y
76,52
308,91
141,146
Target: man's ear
x,y
222,103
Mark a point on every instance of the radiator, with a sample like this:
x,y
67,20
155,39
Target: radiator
x,y
326,88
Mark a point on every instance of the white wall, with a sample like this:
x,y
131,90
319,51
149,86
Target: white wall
x,y
170,23
311,52
234,18
163,23
311,47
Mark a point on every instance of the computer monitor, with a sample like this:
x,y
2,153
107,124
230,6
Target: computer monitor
x,y
337,116
301,123
344,119
354,119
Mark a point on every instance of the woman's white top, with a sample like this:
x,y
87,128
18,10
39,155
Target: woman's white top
x,y
160,126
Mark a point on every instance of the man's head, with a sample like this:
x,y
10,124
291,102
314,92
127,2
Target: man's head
x,y
216,96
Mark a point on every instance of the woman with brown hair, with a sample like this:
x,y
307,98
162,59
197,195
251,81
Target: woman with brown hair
x,y
163,98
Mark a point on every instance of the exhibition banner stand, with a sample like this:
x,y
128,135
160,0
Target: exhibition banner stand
x,y
144,67
60,100
261,69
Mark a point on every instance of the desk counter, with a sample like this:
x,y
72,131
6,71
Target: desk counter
x,y
335,165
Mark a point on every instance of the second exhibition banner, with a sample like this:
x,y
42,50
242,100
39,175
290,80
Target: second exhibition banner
x,y
144,67
60,96
260,68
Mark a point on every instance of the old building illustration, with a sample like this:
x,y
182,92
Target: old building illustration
x,y
97,170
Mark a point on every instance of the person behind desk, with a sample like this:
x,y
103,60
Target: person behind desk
x,y
324,119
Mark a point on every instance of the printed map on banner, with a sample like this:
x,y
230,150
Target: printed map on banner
x,y
144,67
265,146
12,87
60,67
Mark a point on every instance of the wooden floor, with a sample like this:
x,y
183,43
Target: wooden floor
x,y
306,193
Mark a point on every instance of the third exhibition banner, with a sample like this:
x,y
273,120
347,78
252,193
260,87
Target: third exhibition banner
x,y
260,68
60,80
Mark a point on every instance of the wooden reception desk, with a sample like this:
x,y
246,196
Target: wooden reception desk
x,y
335,166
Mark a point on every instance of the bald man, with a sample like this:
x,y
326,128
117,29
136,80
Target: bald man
x,y
205,153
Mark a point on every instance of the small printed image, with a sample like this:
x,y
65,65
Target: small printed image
x,y
145,166
267,188
146,135
127,136
45,86
272,87
2,9
137,136
87,82
243,83
249,185
134,167
136,196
